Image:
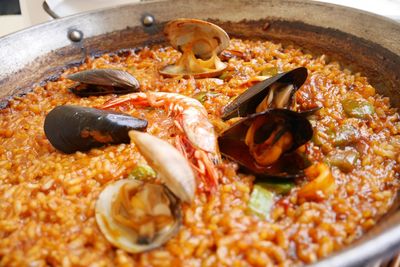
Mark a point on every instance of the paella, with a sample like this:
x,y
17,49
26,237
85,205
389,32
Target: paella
x,y
206,151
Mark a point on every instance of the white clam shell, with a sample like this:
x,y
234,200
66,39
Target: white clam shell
x,y
200,43
182,31
172,167
122,236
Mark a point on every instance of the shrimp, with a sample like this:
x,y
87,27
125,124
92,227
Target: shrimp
x,y
197,141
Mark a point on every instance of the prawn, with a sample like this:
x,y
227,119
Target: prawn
x,y
197,141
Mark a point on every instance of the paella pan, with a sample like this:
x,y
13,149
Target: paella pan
x,y
199,148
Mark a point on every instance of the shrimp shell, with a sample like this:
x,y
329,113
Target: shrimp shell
x,y
189,112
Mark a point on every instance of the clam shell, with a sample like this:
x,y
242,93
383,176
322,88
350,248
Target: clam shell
x,y
122,236
173,70
182,31
172,167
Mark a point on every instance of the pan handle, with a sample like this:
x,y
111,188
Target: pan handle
x,y
74,35
49,10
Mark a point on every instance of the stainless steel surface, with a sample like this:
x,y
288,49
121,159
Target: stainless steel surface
x,y
75,35
366,42
148,20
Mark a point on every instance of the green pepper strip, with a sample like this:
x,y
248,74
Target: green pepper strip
x,y
261,201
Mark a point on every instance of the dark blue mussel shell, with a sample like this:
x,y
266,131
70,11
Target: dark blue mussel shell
x,y
290,165
73,128
246,103
96,82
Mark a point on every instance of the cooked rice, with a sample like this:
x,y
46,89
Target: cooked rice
x,y
47,198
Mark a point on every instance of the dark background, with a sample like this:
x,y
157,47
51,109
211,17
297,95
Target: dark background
x,y
9,7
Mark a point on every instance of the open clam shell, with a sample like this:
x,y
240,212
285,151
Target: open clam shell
x,y
138,238
103,82
200,43
248,101
232,142
204,69
172,167
138,215
211,38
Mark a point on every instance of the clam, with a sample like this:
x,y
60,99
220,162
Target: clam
x,y
168,162
138,216
200,43
73,128
103,82
264,143
275,92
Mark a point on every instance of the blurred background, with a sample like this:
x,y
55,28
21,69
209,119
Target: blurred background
x,y
18,14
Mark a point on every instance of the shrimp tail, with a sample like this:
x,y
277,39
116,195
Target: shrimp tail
x,y
212,172
203,163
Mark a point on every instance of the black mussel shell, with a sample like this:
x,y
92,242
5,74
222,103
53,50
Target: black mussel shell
x,y
290,164
97,82
73,128
247,102
85,90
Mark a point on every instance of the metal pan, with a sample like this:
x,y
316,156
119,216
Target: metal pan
x,y
363,42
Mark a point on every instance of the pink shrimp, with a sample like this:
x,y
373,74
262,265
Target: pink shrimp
x,y
198,141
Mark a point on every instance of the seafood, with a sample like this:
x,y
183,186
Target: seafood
x,y
275,92
103,81
265,143
170,165
51,213
321,185
139,215
72,128
198,141
200,43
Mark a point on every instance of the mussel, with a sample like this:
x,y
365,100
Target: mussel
x,y
97,82
200,43
139,215
264,143
72,128
275,92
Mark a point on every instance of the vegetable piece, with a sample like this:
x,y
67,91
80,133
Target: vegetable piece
x,y
344,160
202,96
142,172
317,139
279,187
358,108
269,71
346,135
322,183
224,75
261,201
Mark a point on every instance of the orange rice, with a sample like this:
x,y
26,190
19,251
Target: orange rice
x,y
47,198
